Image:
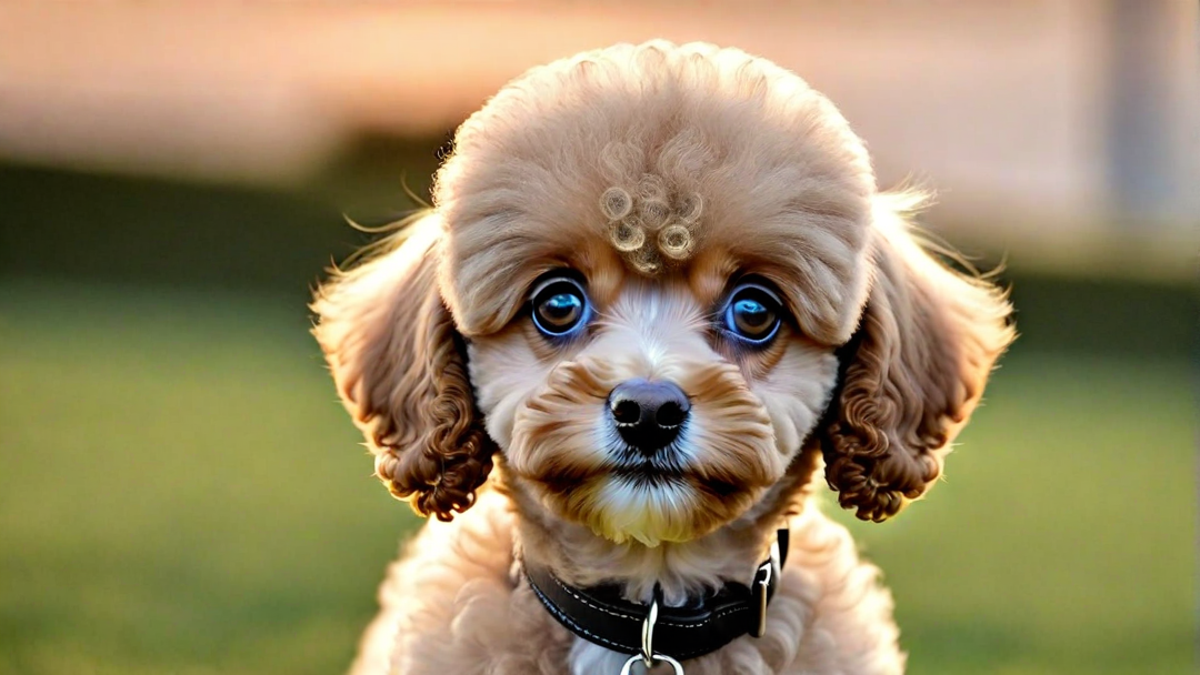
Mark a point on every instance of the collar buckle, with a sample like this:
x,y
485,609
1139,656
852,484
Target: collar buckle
x,y
762,589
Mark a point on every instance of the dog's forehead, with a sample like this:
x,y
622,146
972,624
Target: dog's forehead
x,y
657,164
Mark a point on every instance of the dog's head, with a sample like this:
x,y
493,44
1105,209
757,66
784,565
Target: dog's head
x,y
651,277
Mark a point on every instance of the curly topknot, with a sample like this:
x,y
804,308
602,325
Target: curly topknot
x,y
653,229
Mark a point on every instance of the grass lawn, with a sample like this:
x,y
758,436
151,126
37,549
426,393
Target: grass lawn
x,y
181,493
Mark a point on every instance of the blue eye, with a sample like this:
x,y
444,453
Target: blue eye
x,y
753,314
560,306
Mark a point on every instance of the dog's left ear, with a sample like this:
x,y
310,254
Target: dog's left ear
x,y
400,367
912,373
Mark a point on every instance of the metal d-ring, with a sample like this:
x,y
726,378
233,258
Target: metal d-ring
x,y
648,655
648,634
660,658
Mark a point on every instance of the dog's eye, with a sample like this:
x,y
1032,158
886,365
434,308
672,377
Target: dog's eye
x,y
753,314
559,306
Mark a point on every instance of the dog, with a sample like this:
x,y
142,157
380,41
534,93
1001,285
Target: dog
x,y
657,297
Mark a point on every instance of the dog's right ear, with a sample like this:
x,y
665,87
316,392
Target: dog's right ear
x,y
400,367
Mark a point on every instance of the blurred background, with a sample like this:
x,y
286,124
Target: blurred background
x,y
180,491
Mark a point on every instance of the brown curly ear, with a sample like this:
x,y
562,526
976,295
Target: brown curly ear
x,y
911,375
400,368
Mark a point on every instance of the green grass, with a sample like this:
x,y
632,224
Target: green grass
x,y
181,493
1062,538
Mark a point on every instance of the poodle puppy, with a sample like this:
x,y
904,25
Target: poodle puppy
x,y
657,296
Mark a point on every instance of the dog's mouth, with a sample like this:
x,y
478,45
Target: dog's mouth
x,y
667,496
628,466
647,476
650,475
666,462
665,471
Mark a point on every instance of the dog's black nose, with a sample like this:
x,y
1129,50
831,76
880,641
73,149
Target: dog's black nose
x,y
648,414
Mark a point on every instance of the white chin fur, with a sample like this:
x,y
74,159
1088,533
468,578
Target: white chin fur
x,y
650,513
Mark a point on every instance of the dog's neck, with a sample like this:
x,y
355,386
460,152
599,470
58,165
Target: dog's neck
x,y
682,570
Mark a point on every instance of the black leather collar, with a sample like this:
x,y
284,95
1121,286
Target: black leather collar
x,y
599,613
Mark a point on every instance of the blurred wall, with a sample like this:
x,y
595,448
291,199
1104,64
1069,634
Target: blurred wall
x,y
992,100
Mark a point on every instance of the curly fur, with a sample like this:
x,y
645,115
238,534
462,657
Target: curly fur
x,y
659,176
927,341
406,389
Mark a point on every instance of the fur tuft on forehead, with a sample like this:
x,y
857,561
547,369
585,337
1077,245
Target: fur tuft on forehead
x,y
653,230
657,160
